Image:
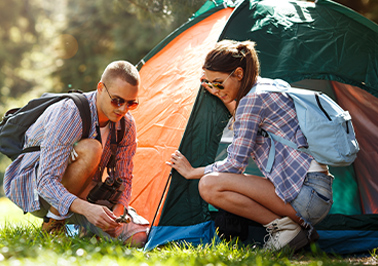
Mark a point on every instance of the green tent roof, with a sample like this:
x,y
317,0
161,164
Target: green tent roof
x,y
300,40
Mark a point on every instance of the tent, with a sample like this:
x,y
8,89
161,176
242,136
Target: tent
x,y
320,46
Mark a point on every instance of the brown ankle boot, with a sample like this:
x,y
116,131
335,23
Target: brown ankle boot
x,y
54,227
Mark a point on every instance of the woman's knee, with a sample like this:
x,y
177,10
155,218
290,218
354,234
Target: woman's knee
x,y
207,186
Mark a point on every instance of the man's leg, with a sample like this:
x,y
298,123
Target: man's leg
x,y
79,173
77,177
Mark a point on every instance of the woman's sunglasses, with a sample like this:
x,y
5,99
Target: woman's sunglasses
x,y
217,85
118,102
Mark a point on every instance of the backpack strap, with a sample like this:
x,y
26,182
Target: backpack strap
x,y
272,150
115,138
85,113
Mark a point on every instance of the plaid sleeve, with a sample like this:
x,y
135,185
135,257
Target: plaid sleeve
x,y
247,119
62,125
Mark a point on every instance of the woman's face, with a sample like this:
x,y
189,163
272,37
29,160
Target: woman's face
x,y
223,85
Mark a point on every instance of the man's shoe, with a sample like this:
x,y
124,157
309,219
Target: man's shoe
x,y
285,232
54,227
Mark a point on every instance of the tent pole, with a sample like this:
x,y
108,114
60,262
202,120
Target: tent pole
x,y
161,201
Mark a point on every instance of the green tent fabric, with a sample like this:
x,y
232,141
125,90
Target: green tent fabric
x,y
200,144
324,39
320,46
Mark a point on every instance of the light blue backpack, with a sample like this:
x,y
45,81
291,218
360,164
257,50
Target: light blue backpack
x,y
326,126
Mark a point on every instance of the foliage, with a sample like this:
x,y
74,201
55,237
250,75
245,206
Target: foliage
x,y
26,245
368,8
17,34
4,162
55,45
103,33
22,243
58,45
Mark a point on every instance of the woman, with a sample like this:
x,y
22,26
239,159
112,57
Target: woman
x,y
297,192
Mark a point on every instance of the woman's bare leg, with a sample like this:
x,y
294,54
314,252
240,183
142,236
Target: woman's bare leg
x,y
249,196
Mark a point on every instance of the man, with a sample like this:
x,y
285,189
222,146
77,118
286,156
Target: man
x,y
54,183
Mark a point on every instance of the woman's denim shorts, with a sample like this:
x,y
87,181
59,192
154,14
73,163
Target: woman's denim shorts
x,y
315,198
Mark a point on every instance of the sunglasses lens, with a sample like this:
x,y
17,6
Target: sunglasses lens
x,y
132,105
218,86
207,83
117,102
211,85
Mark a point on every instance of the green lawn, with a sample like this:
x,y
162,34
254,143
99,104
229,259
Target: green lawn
x,y
22,243
11,214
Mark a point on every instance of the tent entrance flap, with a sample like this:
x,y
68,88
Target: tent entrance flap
x,y
170,82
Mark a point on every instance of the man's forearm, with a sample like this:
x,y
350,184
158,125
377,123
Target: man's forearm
x,y
80,206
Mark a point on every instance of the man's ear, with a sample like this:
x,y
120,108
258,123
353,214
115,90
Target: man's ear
x,y
100,86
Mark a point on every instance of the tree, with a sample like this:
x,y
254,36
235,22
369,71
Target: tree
x,y
58,45
17,37
367,8
112,31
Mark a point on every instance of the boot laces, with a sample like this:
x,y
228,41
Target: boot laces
x,y
272,235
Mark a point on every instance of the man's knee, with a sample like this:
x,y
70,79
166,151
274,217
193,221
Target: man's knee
x,y
90,150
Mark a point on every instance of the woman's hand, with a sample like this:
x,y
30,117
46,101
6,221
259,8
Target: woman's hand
x,y
181,164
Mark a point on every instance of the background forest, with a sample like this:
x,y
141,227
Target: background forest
x,y
56,45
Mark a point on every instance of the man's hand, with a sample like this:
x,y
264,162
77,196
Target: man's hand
x,y
101,217
118,211
97,215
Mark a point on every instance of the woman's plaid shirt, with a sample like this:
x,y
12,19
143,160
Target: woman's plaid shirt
x,y
273,112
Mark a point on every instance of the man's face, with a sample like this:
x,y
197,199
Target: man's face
x,y
114,100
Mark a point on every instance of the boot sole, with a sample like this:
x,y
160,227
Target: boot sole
x,y
299,241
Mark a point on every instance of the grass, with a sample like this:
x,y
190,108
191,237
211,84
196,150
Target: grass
x,y
22,243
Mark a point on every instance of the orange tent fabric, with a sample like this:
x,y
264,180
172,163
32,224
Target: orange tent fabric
x,y
170,82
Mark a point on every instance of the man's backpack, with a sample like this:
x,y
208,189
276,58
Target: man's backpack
x,y
326,126
17,121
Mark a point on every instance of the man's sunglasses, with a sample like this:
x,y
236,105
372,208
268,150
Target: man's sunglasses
x,y
118,102
217,85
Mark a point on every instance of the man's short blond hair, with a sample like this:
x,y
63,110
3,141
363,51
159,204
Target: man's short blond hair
x,y
123,70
